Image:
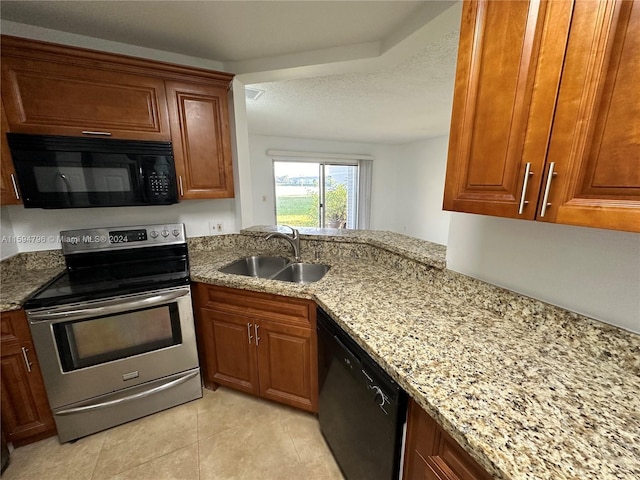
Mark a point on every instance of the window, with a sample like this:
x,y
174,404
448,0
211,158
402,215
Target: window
x,y
321,194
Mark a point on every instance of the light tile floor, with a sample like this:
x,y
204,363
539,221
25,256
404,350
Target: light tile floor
x,y
224,435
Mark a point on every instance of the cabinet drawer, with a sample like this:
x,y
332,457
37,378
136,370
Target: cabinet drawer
x,y
266,306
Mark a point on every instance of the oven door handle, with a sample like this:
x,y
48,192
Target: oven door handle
x,y
135,396
105,307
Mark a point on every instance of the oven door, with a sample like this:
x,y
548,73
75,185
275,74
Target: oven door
x,y
93,348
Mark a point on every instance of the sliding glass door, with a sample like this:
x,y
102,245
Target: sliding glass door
x,y
316,194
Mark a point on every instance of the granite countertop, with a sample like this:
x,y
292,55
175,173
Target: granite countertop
x,y
23,274
531,391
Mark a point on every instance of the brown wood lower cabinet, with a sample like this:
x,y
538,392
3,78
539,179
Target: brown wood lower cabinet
x,y
432,454
258,343
26,415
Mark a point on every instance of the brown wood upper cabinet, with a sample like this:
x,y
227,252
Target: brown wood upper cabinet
x,y
9,193
26,415
53,90
201,139
57,90
259,343
546,113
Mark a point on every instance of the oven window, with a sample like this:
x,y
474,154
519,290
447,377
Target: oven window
x,y
93,341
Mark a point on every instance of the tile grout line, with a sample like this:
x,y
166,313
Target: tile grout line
x,y
95,465
286,429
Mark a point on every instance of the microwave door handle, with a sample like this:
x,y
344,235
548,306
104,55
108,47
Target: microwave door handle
x,y
105,307
66,188
65,181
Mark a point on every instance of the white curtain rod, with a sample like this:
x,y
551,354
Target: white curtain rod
x,y
333,156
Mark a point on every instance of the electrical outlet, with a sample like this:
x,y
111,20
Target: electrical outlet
x,y
216,227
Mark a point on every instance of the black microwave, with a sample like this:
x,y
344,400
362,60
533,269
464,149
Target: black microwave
x,y
75,172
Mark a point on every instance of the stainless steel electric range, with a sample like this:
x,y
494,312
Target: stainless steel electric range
x,y
114,333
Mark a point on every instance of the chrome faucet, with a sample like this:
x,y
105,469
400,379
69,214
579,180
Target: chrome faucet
x,y
293,238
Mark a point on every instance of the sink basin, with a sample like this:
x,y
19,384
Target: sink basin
x,y
260,266
276,268
301,272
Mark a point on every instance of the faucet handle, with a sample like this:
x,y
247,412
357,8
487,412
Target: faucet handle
x,y
294,232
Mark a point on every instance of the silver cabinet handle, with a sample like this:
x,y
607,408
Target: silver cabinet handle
x,y
545,199
91,132
525,182
26,359
180,183
255,327
15,186
249,332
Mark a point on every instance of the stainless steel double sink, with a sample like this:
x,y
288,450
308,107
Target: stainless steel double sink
x,y
276,268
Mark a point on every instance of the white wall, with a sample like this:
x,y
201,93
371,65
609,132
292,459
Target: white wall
x,y
8,247
195,214
419,190
587,270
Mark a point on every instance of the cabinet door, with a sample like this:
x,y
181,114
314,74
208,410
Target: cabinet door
x,y
432,454
494,92
69,95
13,328
9,194
230,350
595,142
287,362
26,415
201,140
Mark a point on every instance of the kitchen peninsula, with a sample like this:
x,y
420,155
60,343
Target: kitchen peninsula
x,y
527,389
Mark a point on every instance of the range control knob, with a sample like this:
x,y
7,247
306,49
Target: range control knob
x,y
154,234
175,232
165,233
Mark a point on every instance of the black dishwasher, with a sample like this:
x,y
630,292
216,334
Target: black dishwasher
x,y
362,410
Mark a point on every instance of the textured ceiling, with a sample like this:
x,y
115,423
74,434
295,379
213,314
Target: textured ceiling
x,y
408,102
220,30
304,43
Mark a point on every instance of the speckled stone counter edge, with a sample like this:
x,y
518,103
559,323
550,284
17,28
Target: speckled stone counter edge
x,y
24,273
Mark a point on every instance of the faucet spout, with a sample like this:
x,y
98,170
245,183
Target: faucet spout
x,y
293,238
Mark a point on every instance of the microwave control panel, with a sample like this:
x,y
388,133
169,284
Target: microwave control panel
x,y
159,182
